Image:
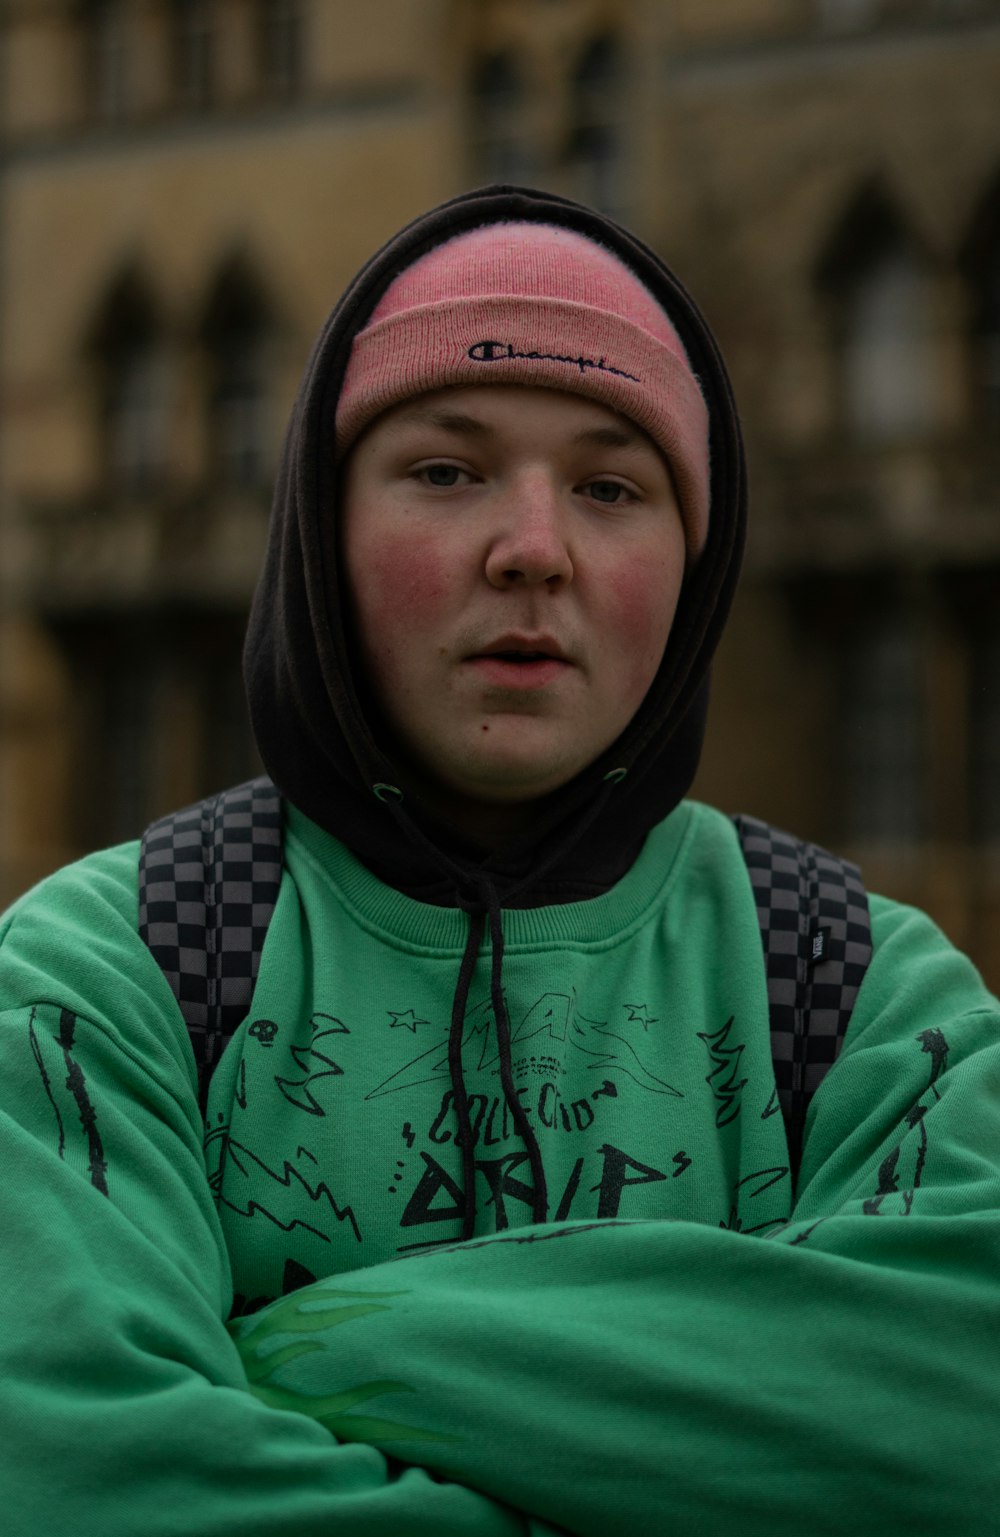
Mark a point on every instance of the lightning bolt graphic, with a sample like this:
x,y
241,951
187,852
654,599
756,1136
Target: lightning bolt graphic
x,y
288,1187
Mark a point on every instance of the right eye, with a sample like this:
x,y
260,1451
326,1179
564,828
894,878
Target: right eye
x,y
442,476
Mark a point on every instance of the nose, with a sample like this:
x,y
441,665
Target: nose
x,y
530,542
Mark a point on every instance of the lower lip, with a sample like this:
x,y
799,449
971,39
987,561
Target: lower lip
x,y
518,675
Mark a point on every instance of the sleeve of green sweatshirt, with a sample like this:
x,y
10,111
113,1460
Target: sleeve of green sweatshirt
x,y
840,1374
124,1406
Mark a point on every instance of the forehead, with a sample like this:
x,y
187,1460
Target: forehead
x,y
491,410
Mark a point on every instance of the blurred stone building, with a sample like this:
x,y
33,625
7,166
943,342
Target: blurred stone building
x,y
186,184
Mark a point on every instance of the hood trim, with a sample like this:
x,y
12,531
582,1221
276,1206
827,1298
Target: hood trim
x,y
317,732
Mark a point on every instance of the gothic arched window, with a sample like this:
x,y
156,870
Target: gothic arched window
x,y
192,59
500,129
280,46
888,372
881,289
596,144
106,60
981,263
127,345
235,332
884,726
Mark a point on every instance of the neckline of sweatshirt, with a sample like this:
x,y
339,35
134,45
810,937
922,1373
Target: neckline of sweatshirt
x,y
426,928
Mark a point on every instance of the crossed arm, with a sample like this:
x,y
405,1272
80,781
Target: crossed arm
x,y
842,1373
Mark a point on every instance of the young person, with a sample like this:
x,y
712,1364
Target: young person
x,y
488,1223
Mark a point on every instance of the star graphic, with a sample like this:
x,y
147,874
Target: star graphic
x,y
407,1019
638,1014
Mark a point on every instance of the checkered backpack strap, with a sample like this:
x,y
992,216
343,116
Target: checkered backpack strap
x,y
816,933
208,883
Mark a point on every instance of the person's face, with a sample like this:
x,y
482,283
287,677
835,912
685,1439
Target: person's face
x,y
515,557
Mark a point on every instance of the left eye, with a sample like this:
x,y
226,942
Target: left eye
x,y
610,491
442,475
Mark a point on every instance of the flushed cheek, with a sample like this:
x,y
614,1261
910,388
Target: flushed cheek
x,y
640,611
402,591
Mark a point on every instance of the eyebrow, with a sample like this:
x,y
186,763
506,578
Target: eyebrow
x,y
447,421
608,437
460,423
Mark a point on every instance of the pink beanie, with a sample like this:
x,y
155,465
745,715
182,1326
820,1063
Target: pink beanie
x,y
534,304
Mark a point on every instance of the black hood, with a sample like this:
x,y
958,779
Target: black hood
x,y
313,725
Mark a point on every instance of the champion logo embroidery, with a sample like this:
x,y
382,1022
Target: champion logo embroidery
x,y
496,352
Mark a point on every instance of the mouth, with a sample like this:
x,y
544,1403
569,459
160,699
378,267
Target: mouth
x,y
524,650
521,662
518,656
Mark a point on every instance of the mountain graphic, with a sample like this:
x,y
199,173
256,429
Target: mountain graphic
x,y
433,1063
553,1017
622,1056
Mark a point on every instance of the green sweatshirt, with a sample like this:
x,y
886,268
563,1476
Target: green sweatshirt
x,y
677,1350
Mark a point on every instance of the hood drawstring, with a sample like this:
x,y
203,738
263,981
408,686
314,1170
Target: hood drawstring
x,y
477,895
460,1094
486,905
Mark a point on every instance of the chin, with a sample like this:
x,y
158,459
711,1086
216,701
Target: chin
x,y
513,784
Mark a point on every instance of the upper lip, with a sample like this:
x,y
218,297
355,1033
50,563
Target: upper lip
x,y
523,643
